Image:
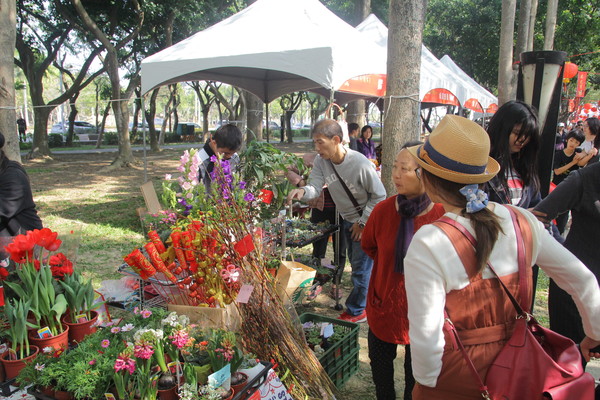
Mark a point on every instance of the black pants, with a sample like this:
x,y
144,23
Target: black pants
x,y
382,355
320,246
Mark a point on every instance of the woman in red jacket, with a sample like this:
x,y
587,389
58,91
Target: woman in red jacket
x,y
385,239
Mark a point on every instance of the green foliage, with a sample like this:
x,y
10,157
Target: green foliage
x,y
110,138
16,316
264,166
55,140
79,294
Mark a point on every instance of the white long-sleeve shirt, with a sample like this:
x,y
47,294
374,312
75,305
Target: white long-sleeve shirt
x,y
433,268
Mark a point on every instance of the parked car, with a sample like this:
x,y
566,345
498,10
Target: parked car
x,y
184,126
79,127
272,125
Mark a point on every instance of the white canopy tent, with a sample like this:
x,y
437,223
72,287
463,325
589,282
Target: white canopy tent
x,y
435,75
270,48
485,97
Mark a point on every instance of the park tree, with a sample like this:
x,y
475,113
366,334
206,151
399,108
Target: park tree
x,y
114,25
41,33
206,98
7,80
405,36
289,103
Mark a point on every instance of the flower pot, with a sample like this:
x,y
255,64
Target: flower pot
x,y
62,395
58,342
240,386
231,393
12,368
79,330
48,391
168,394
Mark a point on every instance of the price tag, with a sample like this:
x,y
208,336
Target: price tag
x,y
244,293
218,378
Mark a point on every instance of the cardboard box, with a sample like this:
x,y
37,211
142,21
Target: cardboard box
x,y
293,280
207,317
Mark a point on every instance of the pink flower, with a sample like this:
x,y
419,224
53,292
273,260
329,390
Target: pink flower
x,y
143,349
146,313
105,343
136,310
179,338
124,362
116,329
92,362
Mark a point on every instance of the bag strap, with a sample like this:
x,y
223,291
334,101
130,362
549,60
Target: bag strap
x,y
358,208
467,255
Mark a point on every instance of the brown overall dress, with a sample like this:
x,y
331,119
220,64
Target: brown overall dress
x,y
484,318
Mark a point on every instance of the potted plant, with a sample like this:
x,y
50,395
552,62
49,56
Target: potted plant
x,y
223,350
80,296
20,351
37,270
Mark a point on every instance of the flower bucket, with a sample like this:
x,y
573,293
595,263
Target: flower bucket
x,y
12,368
62,395
58,342
168,394
79,330
240,386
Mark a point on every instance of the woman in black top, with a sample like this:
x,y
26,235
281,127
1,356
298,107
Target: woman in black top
x,y
17,209
565,161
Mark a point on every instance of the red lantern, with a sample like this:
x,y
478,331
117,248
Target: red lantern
x,y
570,70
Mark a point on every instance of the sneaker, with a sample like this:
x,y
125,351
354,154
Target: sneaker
x,y
335,293
357,319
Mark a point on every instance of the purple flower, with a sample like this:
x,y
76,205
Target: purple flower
x,y
248,197
213,158
242,185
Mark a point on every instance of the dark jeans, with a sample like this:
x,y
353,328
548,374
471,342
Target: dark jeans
x,y
320,246
382,355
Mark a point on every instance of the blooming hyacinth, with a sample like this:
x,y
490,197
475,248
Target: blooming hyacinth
x,y
143,349
179,338
125,362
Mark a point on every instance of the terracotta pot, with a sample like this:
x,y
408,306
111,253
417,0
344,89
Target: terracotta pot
x,y
240,386
58,342
232,393
12,368
48,391
79,330
62,395
168,394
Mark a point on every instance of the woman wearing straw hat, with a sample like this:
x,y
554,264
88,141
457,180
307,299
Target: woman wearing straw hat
x,y
386,237
454,164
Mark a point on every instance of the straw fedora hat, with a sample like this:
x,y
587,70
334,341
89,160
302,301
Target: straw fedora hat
x,y
457,150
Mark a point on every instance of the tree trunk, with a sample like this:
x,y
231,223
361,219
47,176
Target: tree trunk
x,y
522,40
102,125
405,37
8,115
550,24
532,16
255,116
507,30
72,115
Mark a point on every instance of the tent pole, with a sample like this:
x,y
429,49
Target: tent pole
x,y
144,136
267,119
331,99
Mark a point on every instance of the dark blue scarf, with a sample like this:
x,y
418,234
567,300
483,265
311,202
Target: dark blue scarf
x,y
408,210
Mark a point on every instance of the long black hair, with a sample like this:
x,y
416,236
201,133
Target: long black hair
x,y
502,124
594,126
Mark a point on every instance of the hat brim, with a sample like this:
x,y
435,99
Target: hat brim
x,y
491,169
